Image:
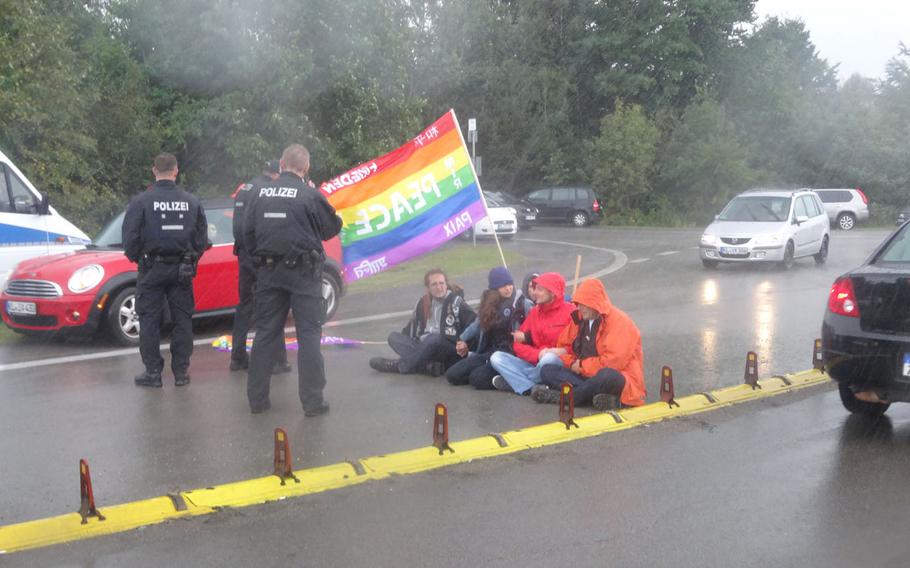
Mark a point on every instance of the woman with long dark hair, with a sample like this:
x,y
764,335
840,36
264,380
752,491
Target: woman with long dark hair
x,y
501,311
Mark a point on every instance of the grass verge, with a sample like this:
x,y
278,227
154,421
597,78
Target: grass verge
x,y
7,335
457,258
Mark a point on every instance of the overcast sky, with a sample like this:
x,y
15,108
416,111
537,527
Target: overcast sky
x,y
860,35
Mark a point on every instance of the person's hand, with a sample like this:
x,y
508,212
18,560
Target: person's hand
x,y
576,367
461,348
519,336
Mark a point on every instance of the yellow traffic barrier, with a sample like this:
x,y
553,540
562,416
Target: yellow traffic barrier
x,y
127,516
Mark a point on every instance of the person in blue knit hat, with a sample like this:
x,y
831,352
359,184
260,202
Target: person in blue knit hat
x,y
502,309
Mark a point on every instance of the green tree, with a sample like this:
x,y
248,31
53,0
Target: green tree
x,y
622,158
703,163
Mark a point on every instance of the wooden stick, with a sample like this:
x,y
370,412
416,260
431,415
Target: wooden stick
x,y
577,274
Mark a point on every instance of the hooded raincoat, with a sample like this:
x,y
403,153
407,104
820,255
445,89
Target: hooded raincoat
x,y
618,342
545,322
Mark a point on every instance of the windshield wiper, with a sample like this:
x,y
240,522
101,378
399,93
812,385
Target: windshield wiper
x,y
771,211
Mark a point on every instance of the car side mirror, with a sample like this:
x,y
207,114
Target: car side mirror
x,y
800,219
44,206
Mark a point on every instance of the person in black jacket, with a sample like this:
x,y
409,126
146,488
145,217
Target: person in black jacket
x,y
165,232
244,196
284,230
502,309
427,344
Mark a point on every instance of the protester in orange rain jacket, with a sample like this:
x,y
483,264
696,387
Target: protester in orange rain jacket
x,y
603,358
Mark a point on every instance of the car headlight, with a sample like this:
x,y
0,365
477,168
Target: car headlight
x,y
85,278
767,240
709,240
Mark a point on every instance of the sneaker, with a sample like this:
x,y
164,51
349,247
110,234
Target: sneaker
x,y
323,408
384,365
181,379
261,409
146,379
502,384
282,368
543,394
240,365
434,369
605,402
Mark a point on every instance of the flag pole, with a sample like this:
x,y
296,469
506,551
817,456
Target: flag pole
x,y
483,199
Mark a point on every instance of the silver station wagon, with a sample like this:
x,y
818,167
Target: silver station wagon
x,y
767,225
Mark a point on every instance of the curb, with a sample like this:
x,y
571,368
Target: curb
x,y
195,502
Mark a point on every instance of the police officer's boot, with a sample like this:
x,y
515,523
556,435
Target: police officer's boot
x,y
434,368
181,379
281,367
322,408
148,379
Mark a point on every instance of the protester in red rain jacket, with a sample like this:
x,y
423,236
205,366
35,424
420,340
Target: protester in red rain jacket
x,y
535,341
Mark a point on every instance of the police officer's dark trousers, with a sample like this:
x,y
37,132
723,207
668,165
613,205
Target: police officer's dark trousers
x,y
279,289
243,316
158,283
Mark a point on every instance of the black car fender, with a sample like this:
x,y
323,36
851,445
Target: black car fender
x,y
109,289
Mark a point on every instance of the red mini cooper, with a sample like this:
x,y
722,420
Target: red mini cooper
x,y
94,289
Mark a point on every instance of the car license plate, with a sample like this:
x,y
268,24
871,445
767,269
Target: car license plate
x,y
907,364
530,217
733,250
21,308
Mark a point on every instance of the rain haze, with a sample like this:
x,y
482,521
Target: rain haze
x,y
632,355
860,37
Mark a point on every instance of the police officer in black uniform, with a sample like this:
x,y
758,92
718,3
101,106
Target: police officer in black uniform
x,y
284,230
165,233
244,196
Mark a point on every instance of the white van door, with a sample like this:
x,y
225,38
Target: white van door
x,y
23,232
29,227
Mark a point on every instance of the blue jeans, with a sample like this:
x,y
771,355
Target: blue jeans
x,y
520,374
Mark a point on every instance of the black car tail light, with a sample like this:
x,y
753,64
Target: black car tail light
x,y
842,300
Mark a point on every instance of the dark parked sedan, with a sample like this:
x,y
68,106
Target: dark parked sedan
x,y
524,211
866,330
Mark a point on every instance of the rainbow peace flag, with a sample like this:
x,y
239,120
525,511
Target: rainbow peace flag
x,y
407,202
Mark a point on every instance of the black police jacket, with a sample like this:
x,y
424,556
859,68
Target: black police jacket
x,y
288,218
244,196
164,220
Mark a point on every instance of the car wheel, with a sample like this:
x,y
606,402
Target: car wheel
x,y
857,406
846,221
708,263
580,219
822,254
787,262
468,234
331,291
123,319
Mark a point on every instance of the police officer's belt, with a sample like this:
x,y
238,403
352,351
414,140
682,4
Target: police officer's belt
x,y
166,258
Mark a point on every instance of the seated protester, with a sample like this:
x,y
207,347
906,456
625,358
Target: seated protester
x,y
501,311
603,358
535,341
427,344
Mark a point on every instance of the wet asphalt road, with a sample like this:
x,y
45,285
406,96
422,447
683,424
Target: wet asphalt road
x,y
142,443
787,481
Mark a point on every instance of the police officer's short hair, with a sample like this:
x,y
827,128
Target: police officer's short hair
x,y
296,157
165,162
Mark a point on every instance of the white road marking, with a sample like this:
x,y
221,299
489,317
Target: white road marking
x,y
667,252
620,260
639,260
